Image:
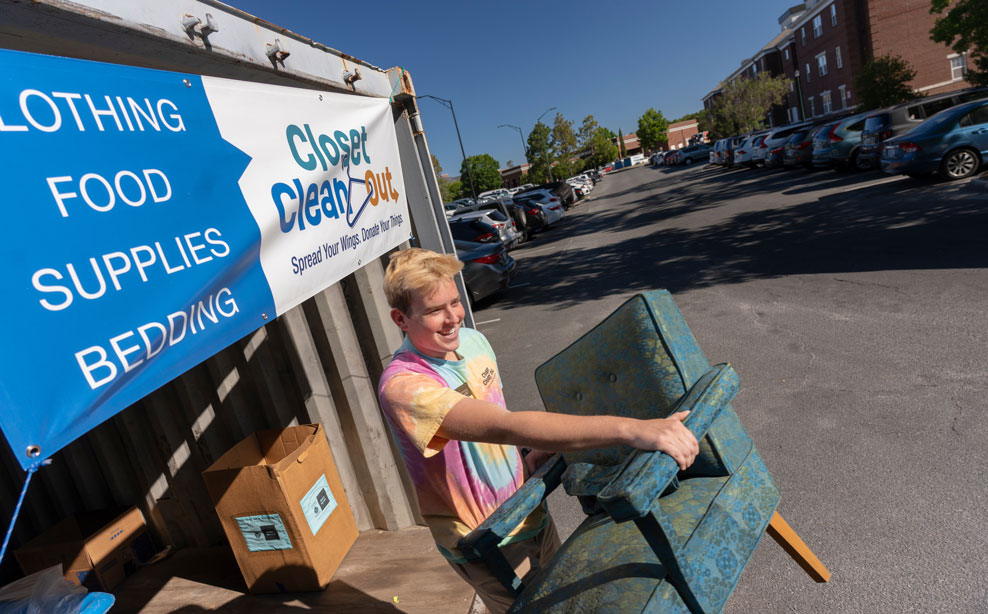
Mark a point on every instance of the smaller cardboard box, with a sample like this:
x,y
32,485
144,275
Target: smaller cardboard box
x,y
281,503
96,549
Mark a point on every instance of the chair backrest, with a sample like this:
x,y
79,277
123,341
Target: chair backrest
x,y
637,363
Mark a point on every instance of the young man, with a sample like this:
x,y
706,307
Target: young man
x,y
442,396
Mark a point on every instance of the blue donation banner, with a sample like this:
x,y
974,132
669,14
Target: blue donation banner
x,y
154,218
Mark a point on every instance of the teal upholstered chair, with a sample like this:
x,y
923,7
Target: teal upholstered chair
x,y
693,531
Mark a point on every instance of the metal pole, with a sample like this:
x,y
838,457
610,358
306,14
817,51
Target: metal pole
x,y
473,189
449,104
524,148
545,145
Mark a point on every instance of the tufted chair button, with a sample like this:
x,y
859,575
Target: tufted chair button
x,y
612,377
579,396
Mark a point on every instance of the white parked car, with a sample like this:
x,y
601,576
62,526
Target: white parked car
x,y
494,193
550,203
745,152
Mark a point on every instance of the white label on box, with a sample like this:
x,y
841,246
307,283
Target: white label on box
x,y
318,504
264,532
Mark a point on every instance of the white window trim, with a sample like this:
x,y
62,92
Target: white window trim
x,y
843,95
840,60
817,32
802,34
808,73
833,15
821,68
812,107
950,59
826,101
786,50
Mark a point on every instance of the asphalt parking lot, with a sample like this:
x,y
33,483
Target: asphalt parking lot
x,y
853,308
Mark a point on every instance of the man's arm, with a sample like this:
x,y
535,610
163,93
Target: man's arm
x,y
474,420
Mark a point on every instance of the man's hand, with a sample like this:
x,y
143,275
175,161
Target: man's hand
x,y
668,435
534,459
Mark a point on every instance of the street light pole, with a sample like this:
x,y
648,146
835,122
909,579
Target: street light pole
x,y
524,149
449,105
545,145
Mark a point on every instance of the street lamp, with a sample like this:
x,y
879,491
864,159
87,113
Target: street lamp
x,y
545,144
449,105
524,149
799,92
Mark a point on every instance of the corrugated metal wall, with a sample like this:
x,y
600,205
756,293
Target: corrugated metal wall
x,y
310,365
320,362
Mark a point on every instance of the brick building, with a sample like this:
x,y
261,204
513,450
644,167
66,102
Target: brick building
x,y
824,43
679,133
631,144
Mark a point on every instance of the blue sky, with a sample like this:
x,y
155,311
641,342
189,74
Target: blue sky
x,y
506,62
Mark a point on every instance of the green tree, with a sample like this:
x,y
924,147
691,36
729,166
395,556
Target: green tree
x,y
563,138
883,82
653,129
456,190
744,104
485,172
588,130
602,148
621,148
444,191
538,152
965,29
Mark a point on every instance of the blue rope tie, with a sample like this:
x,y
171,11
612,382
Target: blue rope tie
x,y
17,509
398,83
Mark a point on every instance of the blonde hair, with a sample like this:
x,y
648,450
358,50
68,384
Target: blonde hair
x,y
416,270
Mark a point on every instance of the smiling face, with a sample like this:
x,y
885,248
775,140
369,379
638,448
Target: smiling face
x,y
433,320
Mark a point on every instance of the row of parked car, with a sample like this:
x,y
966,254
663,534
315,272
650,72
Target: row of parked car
x,y
484,230
945,134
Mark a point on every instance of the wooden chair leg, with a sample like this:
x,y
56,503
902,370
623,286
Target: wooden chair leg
x,y
783,534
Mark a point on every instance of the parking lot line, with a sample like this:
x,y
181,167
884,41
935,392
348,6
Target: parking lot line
x,y
488,321
874,183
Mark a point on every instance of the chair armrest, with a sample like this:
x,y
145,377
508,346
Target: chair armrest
x,y
645,475
512,512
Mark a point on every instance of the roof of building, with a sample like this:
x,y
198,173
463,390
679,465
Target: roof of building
x,y
683,124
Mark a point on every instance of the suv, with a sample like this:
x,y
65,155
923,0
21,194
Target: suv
x,y
694,153
773,140
886,123
839,146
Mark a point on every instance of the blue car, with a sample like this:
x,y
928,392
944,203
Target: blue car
x,y
953,142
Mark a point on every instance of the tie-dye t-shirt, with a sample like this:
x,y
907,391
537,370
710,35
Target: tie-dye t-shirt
x,y
459,483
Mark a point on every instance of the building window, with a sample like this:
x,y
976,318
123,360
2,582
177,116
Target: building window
x,y
817,26
812,108
825,100
840,62
763,64
808,73
754,70
791,85
842,89
958,67
802,35
787,53
821,63
833,15
793,114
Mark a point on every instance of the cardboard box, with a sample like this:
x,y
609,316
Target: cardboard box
x,y
96,549
282,506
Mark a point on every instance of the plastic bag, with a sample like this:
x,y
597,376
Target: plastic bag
x,y
43,592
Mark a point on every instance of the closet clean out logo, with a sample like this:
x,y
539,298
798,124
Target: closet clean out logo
x,y
357,184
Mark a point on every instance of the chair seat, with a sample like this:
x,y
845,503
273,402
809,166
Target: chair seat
x,y
608,567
